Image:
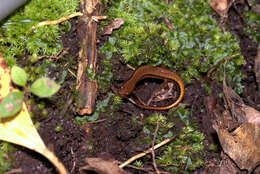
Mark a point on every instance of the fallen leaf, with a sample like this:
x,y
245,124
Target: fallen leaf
x,y
102,166
114,24
220,6
241,145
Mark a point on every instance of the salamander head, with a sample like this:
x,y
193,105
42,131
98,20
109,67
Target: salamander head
x,y
124,91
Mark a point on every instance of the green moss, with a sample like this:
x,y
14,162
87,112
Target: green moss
x,y
185,152
253,23
5,159
101,106
194,46
58,128
19,38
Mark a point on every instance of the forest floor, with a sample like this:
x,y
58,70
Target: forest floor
x,y
115,137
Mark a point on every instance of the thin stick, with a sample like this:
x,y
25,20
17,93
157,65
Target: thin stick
x,y
61,53
219,62
19,170
58,20
146,152
72,73
145,169
153,154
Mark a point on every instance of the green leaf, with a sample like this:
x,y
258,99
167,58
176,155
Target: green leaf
x,y
44,87
11,104
19,76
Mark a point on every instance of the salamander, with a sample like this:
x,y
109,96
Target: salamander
x,y
151,72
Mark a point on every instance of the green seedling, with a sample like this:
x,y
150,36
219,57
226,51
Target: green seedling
x,y
5,160
12,103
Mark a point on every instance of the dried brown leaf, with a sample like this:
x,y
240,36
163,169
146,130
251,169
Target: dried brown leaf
x,y
241,145
102,166
114,24
220,6
239,111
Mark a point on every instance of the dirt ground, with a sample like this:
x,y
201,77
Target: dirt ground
x,y
108,141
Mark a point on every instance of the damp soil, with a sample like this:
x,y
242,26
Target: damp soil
x,y
115,137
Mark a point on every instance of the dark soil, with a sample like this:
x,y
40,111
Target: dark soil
x,y
115,137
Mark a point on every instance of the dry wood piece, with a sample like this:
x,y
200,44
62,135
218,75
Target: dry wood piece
x,y
102,166
146,152
114,24
87,87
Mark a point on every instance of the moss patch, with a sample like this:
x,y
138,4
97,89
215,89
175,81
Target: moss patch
x,y
18,38
194,45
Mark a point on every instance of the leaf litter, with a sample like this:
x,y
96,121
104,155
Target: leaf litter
x,y
242,143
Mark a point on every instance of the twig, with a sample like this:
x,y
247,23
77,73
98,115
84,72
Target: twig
x,y
66,106
58,20
146,152
192,106
219,62
130,67
145,169
61,53
153,154
98,121
19,170
74,163
72,73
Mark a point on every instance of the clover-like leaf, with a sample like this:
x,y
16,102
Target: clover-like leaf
x,y
11,104
19,76
44,87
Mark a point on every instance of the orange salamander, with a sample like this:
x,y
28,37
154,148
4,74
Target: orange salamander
x,y
151,72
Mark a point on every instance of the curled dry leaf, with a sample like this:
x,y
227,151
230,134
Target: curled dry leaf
x,y
241,145
102,166
220,6
114,24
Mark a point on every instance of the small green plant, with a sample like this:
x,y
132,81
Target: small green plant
x,y
58,128
5,160
12,103
185,152
101,107
253,23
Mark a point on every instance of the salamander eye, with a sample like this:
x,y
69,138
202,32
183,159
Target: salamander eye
x,y
123,91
